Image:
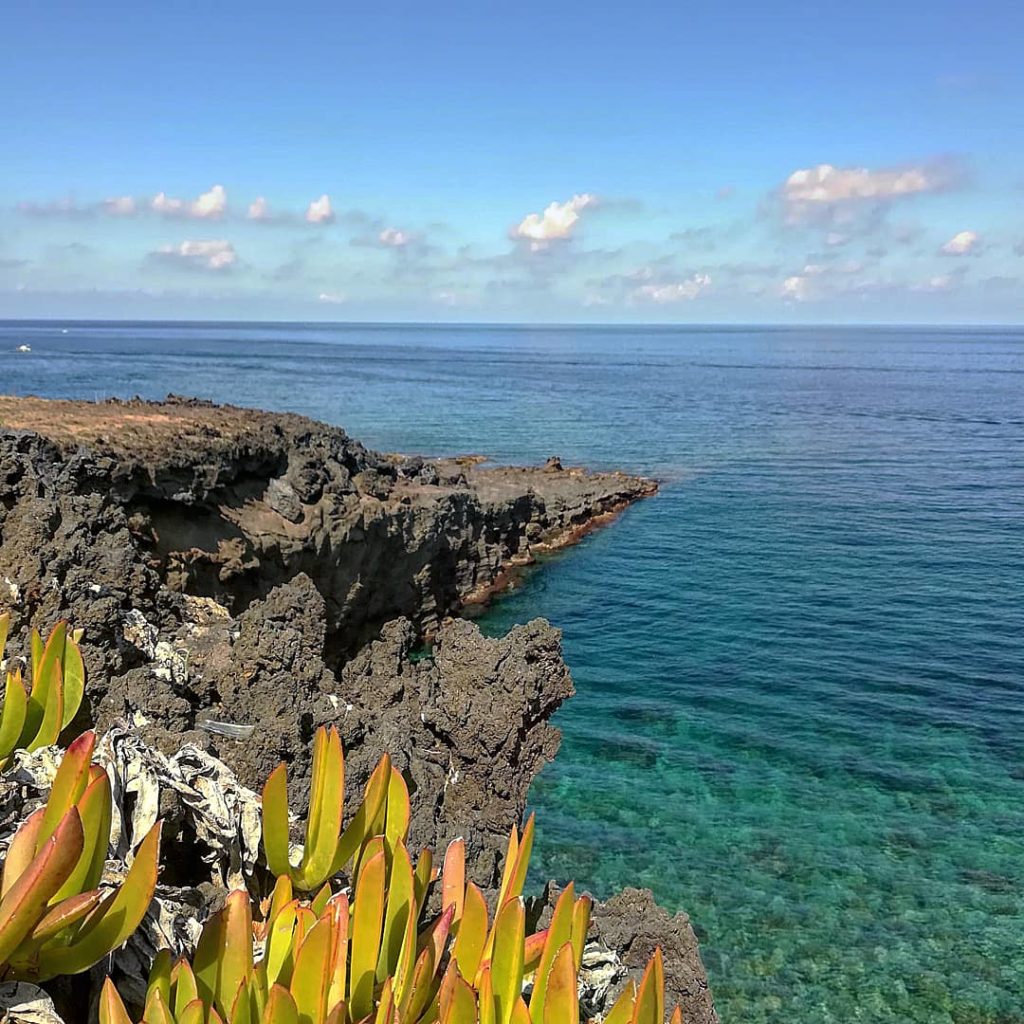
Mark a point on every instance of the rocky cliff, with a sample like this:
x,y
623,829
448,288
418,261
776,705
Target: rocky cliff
x,y
243,577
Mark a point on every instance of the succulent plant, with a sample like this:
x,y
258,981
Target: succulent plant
x,y
55,916
368,954
36,718
328,849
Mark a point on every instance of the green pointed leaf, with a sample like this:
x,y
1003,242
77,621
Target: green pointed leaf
x,y
469,944
281,1008
275,821
622,1010
650,998
367,921
559,933
111,1009
311,978
400,896
507,958
562,1004
12,720
580,927
73,673
183,988
159,980
324,827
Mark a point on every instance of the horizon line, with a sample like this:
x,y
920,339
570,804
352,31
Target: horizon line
x,y
528,325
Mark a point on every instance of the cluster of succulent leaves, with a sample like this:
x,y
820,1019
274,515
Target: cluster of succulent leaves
x,y
312,952
36,717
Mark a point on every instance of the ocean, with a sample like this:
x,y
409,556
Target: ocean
x,y
800,668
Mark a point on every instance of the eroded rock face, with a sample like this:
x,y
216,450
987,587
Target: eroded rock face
x,y
467,726
245,577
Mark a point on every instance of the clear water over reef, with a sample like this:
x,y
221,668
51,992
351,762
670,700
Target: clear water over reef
x,y
800,668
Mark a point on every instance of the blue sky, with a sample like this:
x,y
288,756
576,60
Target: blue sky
x,y
540,162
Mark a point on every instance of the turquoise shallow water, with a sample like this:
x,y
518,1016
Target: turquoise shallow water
x,y
800,668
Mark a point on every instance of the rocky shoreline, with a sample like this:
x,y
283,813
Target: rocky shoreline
x,y
244,577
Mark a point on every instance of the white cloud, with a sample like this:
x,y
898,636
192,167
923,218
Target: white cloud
x,y
393,238
259,209
332,298
207,206
962,243
829,192
556,222
212,254
120,206
673,291
320,211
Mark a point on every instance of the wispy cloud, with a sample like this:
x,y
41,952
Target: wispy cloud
x,y
393,238
208,255
331,298
673,291
828,194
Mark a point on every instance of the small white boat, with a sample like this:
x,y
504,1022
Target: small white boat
x,y
24,348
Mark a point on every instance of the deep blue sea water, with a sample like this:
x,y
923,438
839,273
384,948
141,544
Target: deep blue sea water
x,y
800,668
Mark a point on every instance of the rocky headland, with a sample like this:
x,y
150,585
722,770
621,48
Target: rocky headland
x,y
243,577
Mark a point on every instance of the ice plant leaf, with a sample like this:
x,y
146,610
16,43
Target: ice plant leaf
x,y
159,979
12,721
507,958
45,685
562,1004
622,1010
367,920
461,1006
235,955
325,813
118,919
485,997
64,914
580,927
469,943
559,933
193,1012
310,978
453,877
52,714
68,784
396,826
22,850
424,874
73,673
400,895
281,1008
650,998
25,902
677,1015
111,1009
183,981
275,821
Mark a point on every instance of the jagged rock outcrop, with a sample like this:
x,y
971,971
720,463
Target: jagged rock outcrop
x,y
244,577
467,726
